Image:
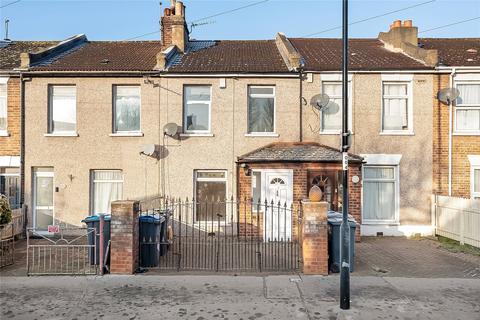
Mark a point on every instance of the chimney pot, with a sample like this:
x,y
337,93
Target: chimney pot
x,y
179,8
407,23
397,23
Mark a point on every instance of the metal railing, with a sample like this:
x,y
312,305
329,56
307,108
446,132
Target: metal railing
x,y
221,235
71,251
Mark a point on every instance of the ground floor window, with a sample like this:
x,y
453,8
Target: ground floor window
x,y
106,186
475,182
210,194
10,185
380,194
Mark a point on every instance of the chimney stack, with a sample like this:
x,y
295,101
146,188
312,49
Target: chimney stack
x,y
403,37
174,27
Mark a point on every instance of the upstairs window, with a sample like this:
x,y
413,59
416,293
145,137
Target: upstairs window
x,y
3,107
62,109
196,109
332,112
126,109
261,109
397,107
467,109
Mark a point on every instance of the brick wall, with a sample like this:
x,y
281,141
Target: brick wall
x,y
462,146
124,257
10,146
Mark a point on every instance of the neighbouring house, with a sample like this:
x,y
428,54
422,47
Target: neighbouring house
x,y
456,126
96,111
10,116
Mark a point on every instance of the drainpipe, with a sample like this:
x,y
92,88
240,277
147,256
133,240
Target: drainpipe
x,y
300,101
450,119
22,149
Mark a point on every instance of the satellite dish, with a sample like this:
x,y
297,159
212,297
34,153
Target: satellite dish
x,y
170,129
148,149
319,101
448,95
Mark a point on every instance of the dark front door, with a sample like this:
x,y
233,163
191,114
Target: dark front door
x,y
329,182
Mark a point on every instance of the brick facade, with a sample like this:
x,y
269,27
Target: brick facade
x,y
10,145
462,146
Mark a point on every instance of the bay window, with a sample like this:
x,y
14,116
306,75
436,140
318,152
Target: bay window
x,y
126,109
62,109
261,109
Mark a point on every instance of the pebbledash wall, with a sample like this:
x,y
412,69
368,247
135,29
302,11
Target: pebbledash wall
x,y
412,151
463,145
72,158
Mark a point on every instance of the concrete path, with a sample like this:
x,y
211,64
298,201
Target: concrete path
x,y
236,297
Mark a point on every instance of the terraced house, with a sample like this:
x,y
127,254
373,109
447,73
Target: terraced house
x,y
96,114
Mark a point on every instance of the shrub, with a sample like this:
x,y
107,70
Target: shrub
x,y
5,211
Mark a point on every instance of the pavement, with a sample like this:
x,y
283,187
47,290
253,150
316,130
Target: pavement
x,y
236,297
394,278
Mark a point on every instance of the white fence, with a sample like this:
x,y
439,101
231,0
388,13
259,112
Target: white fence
x,y
457,219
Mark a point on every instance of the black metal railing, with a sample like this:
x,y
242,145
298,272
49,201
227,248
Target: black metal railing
x,y
220,235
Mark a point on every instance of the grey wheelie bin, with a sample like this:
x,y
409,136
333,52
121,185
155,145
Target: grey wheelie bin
x,y
94,222
334,256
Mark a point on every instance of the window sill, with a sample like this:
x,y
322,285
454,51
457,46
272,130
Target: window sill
x,y
396,133
377,222
259,134
472,133
66,134
197,135
126,134
4,134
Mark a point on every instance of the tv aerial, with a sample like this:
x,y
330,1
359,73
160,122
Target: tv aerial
x,y
319,101
448,95
170,129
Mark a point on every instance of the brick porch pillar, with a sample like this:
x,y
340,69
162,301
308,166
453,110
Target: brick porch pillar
x,y
124,237
315,238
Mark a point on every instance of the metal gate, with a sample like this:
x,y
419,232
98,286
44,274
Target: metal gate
x,y
63,251
220,236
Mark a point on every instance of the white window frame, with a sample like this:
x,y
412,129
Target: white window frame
x,y
50,130
196,178
350,99
93,181
114,119
13,175
4,81
408,96
255,95
457,107
185,130
474,165
396,181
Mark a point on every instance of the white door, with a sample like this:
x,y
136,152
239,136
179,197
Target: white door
x,y
278,218
43,198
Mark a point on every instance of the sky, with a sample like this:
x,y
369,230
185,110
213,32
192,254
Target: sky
x,y
122,19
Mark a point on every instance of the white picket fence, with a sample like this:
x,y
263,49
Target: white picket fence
x,y
457,219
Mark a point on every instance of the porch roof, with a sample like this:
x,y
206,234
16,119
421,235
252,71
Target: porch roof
x,y
296,152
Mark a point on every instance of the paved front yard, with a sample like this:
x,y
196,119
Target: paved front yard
x,y
423,258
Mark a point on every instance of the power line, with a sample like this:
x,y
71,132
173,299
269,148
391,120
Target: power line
x,y
231,10
8,4
450,24
205,18
371,18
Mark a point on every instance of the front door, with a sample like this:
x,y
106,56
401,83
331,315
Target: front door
x,y
43,198
278,187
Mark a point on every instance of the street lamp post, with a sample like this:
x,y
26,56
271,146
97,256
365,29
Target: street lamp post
x,y
345,228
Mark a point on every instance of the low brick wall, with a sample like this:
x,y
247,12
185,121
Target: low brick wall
x,y
315,238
